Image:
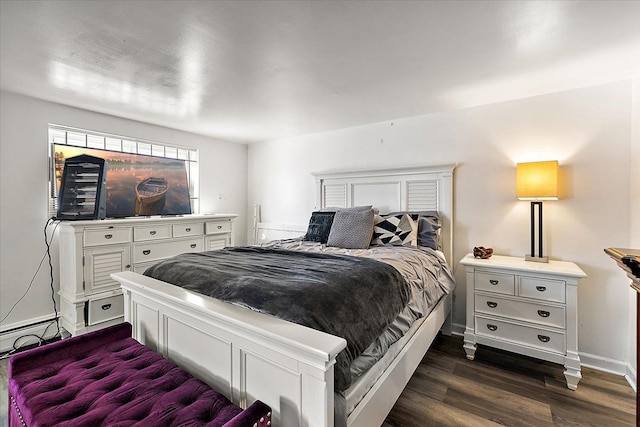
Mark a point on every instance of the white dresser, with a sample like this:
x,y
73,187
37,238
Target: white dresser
x,y
91,250
526,307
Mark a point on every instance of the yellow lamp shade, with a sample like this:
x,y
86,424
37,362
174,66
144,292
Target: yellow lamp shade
x,y
537,180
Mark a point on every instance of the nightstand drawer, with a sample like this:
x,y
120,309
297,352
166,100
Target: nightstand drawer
x,y
522,335
521,310
495,282
543,289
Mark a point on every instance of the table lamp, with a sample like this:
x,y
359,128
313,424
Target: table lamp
x,y
537,181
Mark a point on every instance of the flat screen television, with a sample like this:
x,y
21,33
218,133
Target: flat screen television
x,y
137,184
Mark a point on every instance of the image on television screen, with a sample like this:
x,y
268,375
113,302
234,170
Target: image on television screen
x,y
137,185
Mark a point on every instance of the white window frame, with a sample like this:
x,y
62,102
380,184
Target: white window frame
x,y
65,135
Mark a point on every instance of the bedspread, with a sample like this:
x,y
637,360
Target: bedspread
x,y
425,271
352,297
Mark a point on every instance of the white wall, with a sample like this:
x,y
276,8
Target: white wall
x,y
23,190
587,130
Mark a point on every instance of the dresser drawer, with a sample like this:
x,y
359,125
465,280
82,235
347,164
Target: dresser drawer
x,y
190,229
521,310
154,232
218,227
542,289
495,282
520,334
107,236
156,251
104,309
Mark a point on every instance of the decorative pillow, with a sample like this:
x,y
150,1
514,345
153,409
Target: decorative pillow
x,y
351,229
395,230
429,225
429,232
319,227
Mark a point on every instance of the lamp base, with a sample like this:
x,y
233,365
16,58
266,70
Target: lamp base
x,y
536,258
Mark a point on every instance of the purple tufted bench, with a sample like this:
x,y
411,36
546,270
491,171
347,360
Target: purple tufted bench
x,y
106,378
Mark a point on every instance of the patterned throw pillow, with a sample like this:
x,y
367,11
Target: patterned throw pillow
x,y
429,225
351,229
395,230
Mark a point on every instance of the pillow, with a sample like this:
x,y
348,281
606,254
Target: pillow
x,y
319,227
395,230
429,232
351,229
429,225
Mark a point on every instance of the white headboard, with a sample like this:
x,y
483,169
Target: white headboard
x,y
405,189
416,189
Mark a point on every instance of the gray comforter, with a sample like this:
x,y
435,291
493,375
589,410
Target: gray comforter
x,y
352,297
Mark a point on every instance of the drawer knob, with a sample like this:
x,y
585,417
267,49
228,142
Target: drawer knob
x,y
106,306
543,313
219,227
146,252
495,328
152,232
128,266
193,245
544,338
541,288
492,304
493,282
108,236
187,229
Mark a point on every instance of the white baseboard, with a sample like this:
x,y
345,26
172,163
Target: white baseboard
x,y
632,377
604,364
599,363
36,326
458,329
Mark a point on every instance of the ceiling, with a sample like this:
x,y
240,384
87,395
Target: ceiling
x,y
249,71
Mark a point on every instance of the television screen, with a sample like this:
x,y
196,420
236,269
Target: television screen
x,y
137,185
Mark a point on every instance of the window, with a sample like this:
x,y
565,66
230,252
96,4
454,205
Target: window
x,y
129,158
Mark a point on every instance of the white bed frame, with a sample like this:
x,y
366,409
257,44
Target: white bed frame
x,y
248,355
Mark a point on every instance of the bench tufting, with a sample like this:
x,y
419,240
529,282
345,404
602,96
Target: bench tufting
x,y
106,378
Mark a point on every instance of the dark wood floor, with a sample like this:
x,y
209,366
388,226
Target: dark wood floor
x,y
501,388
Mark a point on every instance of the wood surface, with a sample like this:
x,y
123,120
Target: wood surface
x,y
503,388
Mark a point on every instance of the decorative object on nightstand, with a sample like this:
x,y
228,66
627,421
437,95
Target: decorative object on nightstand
x,y
537,181
524,307
482,252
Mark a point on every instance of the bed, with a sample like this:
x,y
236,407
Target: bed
x,y
249,355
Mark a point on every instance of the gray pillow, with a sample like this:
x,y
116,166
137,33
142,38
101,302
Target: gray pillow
x,y
351,229
429,232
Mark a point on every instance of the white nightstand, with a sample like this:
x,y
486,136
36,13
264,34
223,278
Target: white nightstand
x,y
526,307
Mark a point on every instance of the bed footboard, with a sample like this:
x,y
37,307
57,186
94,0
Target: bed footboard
x,y
244,354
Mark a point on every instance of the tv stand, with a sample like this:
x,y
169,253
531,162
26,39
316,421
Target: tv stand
x,y
90,250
